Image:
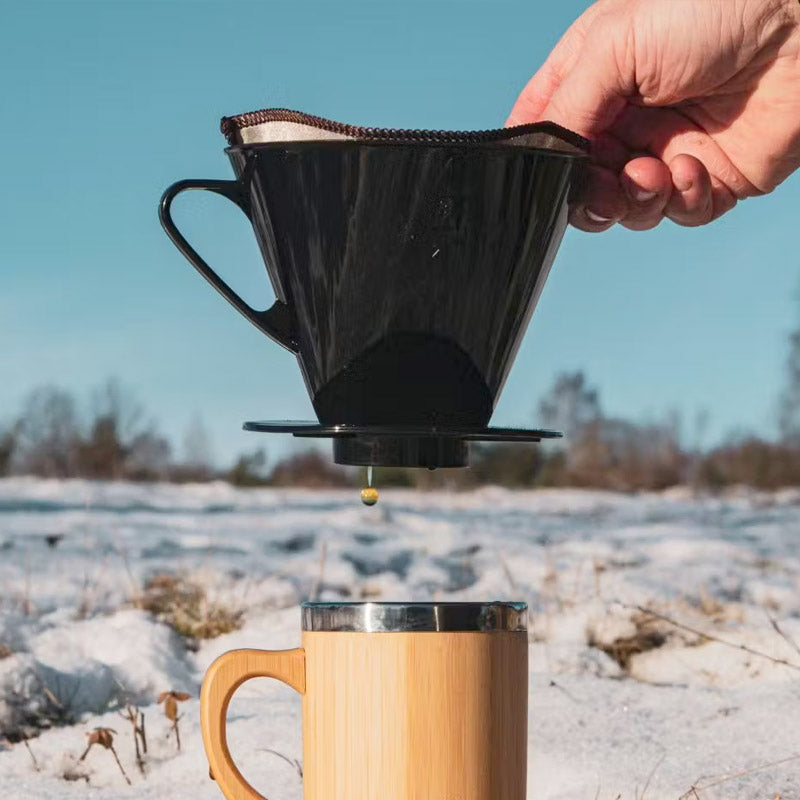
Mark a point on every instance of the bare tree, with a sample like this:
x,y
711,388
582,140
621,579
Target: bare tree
x,y
148,457
47,434
120,440
197,449
117,403
570,405
789,402
249,469
8,444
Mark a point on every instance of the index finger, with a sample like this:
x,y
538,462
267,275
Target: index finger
x,y
535,97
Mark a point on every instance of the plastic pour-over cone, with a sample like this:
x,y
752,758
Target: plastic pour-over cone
x,y
406,266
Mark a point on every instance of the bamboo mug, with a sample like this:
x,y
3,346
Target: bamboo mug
x,y
401,701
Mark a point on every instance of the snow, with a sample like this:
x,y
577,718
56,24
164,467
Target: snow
x,y
713,712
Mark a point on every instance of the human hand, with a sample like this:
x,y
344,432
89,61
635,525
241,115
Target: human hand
x,y
690,105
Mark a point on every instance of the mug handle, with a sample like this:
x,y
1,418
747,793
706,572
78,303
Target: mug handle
x,y
222,679
276,322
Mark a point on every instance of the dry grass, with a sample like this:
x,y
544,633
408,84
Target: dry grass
x,y
186,607
707,782
649,634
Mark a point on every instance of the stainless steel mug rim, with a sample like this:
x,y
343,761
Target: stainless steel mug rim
x,y
415,617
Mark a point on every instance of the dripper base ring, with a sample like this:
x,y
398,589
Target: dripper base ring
x,y
401,451
383,446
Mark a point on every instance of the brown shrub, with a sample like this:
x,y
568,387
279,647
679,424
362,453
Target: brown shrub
x,y
186,608
649,635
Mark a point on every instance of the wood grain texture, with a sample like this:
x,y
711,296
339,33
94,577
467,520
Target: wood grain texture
x,y
222,679
415,716
390,716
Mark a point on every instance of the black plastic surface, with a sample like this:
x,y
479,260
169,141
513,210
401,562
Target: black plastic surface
x,y
405,274
410,446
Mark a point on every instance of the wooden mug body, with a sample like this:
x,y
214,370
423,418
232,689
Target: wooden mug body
x,y
415,716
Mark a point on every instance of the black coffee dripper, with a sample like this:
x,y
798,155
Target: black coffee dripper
x,y
406,266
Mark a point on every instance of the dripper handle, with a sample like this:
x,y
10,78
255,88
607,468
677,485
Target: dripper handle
x,y
276,321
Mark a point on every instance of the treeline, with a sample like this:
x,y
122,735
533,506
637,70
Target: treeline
x,y
112,438
604,452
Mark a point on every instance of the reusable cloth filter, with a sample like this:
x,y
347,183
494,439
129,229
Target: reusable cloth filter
x,y
406,265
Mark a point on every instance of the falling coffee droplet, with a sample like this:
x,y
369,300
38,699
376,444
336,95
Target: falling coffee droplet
x,y
369,494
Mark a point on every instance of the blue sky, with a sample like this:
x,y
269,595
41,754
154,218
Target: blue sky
x,y
106,103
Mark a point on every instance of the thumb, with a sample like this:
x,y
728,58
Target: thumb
x,y
602,78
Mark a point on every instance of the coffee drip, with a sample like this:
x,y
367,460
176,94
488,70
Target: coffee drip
x,y
406,266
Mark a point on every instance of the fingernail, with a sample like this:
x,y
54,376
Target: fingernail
x,y
596,217
642,195
682,183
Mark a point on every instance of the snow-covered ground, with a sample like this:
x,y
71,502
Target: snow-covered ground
x,y
686,712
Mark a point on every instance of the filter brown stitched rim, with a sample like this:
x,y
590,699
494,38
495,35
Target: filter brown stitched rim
x,y
231,126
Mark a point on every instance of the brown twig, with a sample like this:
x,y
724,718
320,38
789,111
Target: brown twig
x,y
702,634
777,628
142,732
52,698
27,606
30,752
715,781
122,550
561,689
317,588
507,570
291,761
116,758
136,718
650,776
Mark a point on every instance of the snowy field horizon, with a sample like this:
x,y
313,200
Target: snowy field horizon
x,y
664,628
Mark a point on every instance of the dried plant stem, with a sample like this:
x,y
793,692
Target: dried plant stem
x,y
291,761
696,632
142,733
507,570
136,593
105,738
561,689
116,758
177,732
136,718
139,761
650,776
777,628
716,781
27,606
315,592
52,698
30,752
